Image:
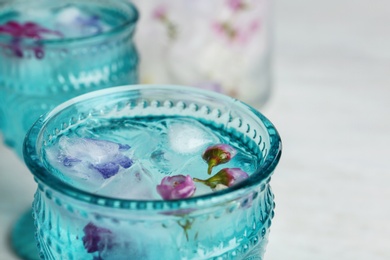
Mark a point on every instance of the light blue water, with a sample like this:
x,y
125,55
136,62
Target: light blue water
x,y
158,147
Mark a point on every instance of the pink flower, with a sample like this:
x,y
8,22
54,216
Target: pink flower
x,y
218,28
27,30
246,33
236,5
160,12
226,177
176,187
225,30
218,154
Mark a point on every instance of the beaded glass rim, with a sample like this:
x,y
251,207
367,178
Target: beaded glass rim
x,y
129,23
34,139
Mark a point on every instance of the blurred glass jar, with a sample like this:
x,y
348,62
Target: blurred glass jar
x,y
222,45
53,51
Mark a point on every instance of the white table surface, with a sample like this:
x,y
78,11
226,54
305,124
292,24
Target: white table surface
x,y
331,104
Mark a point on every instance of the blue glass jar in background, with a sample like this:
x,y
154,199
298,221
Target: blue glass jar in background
x,y
52,51
220,45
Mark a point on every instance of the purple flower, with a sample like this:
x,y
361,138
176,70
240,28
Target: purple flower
x,y
124,147
103,156
92,21
27,30
123,160
105,244
97,238
69,161
226,177
218,154
109,169
176,187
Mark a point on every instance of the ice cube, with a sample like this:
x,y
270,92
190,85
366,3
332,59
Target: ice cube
x,y
135,242
143,139
73,22
180,142
68,14
91,150
88,163
144,143
73,170
189,136
133,183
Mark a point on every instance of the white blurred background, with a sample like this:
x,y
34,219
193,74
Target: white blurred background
x,y
331,104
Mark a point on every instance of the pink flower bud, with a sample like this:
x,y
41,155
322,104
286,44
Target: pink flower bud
x,y
226,177
218,154
176,187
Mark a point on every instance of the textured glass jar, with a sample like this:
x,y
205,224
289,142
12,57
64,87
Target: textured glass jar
x,y
228,224
221,45
51,51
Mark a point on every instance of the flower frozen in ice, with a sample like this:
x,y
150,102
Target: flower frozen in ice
x,y
81,26
26,30
97,238
90,21
29,30
110,168
225,177
103,156
218,154
103,243
77,23
176,187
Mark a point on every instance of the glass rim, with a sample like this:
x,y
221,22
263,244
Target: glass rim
x,y
131,21
260,176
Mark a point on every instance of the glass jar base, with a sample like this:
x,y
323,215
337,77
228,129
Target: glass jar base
x,y
23,239
257,253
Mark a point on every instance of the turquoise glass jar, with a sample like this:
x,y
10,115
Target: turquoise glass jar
x,y
52,51
74,223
